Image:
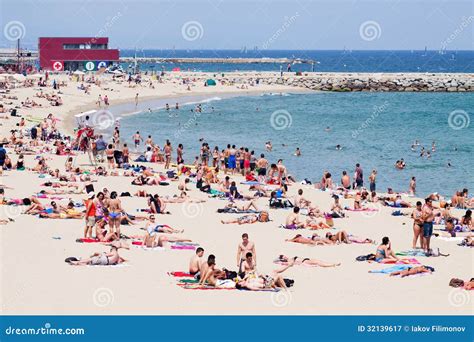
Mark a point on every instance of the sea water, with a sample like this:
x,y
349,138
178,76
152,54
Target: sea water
x,y
325,60
373,129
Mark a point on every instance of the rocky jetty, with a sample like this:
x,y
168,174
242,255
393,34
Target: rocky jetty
x,y
395,82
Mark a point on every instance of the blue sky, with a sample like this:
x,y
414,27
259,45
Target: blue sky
x,y
232,24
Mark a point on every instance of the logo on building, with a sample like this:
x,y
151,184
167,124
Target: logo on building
x,y
58,66
101,65
89,66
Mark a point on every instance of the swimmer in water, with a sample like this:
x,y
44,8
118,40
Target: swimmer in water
x,y
449,163
176,105
268,146
433,147
298,152
338,147
167,107
327,129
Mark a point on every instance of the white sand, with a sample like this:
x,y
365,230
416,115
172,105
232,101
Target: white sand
x,y
36,280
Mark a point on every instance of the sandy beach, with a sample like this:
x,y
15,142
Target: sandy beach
x,y
36,280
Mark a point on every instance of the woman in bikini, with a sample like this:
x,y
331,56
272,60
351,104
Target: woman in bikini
x,y
100,232
314,240
284,260
249,219
417,225
109,152
115,213
103,259
385,253
412,271
273,281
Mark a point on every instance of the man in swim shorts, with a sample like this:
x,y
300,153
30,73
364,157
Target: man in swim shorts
x,y
428,218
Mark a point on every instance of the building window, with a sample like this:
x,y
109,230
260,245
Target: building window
x,y
86,46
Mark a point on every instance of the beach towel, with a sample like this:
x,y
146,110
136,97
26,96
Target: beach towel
x,y
411,252
363,209
182,247
180,274
403,261
236,211
203,287
88,240
391,269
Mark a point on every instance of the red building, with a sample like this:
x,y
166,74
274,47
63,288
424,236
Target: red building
x,y
66,53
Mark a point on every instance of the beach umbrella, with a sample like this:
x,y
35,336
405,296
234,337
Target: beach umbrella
x,y
211,82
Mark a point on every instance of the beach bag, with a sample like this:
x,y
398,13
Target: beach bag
x,y
455,282
289,282
397,213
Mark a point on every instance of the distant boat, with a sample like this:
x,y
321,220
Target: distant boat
x,y
425,53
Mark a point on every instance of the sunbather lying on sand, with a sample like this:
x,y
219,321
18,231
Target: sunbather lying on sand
x,y
284,260
343,236
314,240
153,227
413,271
152,240
248,219
102,259
273,281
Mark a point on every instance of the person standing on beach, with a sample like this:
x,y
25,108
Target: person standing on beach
x,y
246,246
417,215
262,165
137,138
412,189
372,178
90,215
346,180
359,177
167,150
179,154
136,100
232,161
428,218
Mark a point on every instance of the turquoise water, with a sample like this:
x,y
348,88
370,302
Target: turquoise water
x,y
374,129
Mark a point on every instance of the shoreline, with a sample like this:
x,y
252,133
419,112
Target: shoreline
x,y
69,123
